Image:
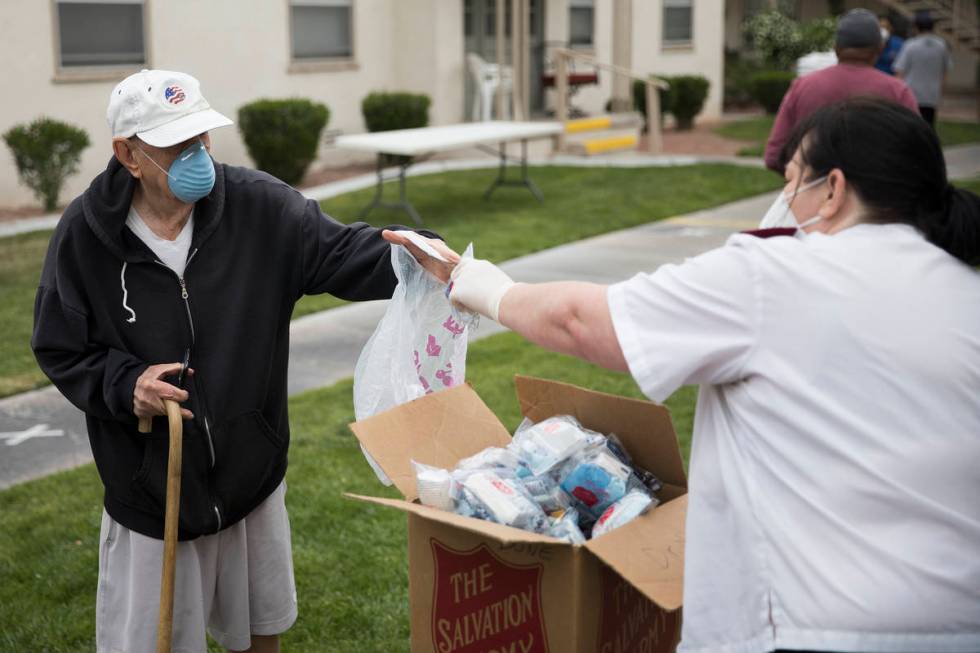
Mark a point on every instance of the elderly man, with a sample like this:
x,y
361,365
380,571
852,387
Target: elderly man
x,y
169,256
858,44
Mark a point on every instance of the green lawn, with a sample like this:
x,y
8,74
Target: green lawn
x,y
579,202
757,131
349,557
20,268
971,185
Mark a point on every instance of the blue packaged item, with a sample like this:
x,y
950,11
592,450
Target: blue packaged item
x,y
595,481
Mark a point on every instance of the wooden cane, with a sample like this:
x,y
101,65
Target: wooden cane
x,y
165,625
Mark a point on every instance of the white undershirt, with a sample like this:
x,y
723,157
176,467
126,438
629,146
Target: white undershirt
x,y
172,253
834,497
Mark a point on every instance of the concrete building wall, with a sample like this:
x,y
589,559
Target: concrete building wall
x,y
705,56
240,51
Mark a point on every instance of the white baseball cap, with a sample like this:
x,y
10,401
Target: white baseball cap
x,y
162,107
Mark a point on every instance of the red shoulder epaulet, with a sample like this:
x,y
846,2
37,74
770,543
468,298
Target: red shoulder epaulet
x,y
771,233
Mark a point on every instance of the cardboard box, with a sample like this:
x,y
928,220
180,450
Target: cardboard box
x,y
476,586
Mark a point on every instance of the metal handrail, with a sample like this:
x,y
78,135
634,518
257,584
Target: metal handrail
x,y
619,70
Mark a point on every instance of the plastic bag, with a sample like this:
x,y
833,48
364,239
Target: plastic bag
x,y
565,527
546,493
435,486
418,347
550,442
504,500
596,480
493,457
631,506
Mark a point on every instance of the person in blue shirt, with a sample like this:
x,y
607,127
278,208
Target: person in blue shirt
x,y
892,44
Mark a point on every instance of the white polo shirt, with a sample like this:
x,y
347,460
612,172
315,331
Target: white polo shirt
x,y
835,468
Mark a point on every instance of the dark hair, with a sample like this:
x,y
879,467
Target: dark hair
x,y
924,21
893,161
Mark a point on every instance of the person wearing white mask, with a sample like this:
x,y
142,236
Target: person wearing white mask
x,y
780,216
833,474
891,45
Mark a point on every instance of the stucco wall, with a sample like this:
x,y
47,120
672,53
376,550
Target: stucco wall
x,y
704,57
240,51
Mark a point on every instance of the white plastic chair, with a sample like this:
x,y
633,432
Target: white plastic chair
x,y
490,78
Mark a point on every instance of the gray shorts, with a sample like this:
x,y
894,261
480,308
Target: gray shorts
x,y
234,584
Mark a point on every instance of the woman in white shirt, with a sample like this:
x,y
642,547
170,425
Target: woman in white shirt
x,y
835,469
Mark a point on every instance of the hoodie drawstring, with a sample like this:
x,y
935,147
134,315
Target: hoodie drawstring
x,y
122,281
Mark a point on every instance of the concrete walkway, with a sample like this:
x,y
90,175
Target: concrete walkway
x,y
324,346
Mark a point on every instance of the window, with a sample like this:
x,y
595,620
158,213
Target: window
x,y
678,22
321,29
107,33
580,22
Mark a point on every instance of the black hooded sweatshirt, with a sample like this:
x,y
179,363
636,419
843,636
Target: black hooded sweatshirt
x,y
106,309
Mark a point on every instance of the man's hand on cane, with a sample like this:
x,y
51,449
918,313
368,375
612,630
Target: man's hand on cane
x,y
151,391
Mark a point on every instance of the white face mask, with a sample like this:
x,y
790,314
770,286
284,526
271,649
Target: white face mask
x,y
780,215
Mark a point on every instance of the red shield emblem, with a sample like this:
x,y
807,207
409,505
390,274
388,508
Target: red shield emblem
x,y
630,622
481,603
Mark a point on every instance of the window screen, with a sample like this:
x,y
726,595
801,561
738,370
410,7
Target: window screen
x,y
677,21
321,29
100,33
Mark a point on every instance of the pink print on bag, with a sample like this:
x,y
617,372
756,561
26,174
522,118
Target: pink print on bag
x,y
446,377
453,327
432,348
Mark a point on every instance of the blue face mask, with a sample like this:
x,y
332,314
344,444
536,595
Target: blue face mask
x,y
191,175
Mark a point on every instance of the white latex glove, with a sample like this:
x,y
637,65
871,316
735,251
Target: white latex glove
x,y
479,285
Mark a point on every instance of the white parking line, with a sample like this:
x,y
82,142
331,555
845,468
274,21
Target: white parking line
x,y
14,438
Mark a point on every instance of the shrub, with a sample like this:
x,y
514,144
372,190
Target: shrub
x,y
687,96
769,86
738,71
640,99
684,99
282,136
46,151
386,111
781,40
818,35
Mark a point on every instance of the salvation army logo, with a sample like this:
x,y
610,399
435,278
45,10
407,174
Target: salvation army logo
x,y
481,603
174,94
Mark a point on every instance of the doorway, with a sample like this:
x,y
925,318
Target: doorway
x,y
480,37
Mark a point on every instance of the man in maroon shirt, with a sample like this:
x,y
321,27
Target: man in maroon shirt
x,y
858,44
